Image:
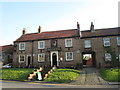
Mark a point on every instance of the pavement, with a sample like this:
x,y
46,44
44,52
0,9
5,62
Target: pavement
x,y
89,76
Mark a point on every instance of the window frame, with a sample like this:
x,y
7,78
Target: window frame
x,y
66,45
20,46
88,46
108,41
39,57
118,41
67,56
39,44
106,58
19,58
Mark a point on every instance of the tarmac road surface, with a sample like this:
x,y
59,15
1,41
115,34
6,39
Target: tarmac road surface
x,y
16,84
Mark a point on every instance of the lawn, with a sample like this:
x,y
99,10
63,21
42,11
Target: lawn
x,y
16,73
63,75
112,75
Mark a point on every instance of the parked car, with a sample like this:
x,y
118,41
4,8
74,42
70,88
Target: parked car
x,y
7,66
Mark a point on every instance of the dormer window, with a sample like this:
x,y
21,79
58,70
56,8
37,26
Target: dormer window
x,y
118,41
106,42
41,44
68,42
87,44
21,46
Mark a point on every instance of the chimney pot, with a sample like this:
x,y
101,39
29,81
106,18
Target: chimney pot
x,y
39,29
78,26
24,31
92,27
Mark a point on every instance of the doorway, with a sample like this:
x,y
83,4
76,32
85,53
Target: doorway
x,y
88,59
29,60
54,58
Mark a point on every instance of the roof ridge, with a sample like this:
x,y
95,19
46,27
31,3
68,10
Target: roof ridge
x,y
50,31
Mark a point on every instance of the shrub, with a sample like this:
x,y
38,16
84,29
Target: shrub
x,y
111,75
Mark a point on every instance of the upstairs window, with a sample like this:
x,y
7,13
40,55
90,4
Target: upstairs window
x,y
118,41
68,42
21,58
41,44
106,41
69,56
87,43
41,57
21,46
108,57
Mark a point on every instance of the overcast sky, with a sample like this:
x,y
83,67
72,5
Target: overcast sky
x,y
54,15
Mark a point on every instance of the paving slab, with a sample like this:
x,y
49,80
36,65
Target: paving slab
x,y
89,76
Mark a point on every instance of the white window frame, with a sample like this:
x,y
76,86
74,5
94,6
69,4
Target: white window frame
x,y
39,44
19,58
66,44
108,57
20,46
67,59
119,57
106,41
118,41
43,56
87,43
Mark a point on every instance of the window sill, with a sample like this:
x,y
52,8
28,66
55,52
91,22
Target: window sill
x,y
21,50
41,48
69,60
21,61
41,61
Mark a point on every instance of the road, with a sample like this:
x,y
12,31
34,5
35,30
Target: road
x,y
15,84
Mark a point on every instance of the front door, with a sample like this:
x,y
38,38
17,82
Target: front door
x,y
54,58
29,60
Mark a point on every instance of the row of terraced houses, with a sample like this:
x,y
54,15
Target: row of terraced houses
x,y
66,48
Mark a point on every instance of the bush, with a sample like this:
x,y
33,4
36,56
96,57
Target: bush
x,y
111,75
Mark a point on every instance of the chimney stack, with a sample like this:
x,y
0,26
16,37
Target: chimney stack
x,y
24,31
39,29
92,27
78,26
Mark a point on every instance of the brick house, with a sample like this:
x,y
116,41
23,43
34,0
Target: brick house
x,y
6,54
103,45
66,48
60,48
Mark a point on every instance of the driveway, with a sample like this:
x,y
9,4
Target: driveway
x,y
89,76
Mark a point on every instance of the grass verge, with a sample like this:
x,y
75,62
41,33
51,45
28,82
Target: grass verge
x,y
63,75
112,75
16,73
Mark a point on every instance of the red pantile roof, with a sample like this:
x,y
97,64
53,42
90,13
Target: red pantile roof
x,y
48,35
6,47
101,32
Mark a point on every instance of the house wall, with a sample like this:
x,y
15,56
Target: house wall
x,y
61,53
97,45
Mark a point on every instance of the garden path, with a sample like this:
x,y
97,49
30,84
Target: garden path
x,y
89,76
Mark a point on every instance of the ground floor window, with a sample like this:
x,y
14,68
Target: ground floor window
x,y
21,58
41,57
69,56
108,57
